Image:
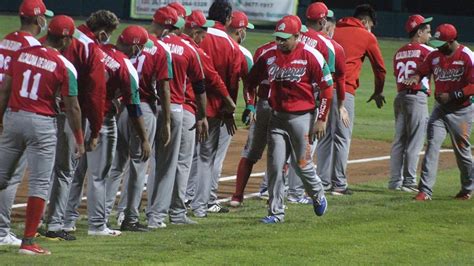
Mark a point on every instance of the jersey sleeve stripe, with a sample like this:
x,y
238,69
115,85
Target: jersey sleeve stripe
x,y
197,56
32,41
319,57
72,81
168,59
220,33
331,54
135,96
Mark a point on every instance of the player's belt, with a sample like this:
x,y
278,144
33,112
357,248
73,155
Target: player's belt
x,y
413,91
16,110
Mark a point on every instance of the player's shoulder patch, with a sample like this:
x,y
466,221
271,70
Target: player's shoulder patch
x,y
68,65
220,33
319,57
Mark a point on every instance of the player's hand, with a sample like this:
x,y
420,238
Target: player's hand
x,y
344,115
229,123
92,144
378,98
443,98
80,150
318,131
229,106
165,134
146,150
202,129
412,81
248,116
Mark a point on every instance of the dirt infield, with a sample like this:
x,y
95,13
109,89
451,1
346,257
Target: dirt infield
x,y
358,172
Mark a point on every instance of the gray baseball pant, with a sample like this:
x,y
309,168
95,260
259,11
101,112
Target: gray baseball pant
x,y
458,124
75,193
191,187
224,141
288,135
411,118
35,135
177,209
128,156
63,172
159,196
7,196
333,149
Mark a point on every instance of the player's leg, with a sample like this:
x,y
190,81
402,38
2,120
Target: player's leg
x,y
206,158
192,180
436,133
165,173
75,195
399,142
416,107
325,147
178,209
63,172
342,143
99,163
138,170
459,124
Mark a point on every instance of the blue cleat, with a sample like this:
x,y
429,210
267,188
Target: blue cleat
x,y
320,206
271,219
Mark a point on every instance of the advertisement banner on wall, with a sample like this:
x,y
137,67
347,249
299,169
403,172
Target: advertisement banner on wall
x,y
256,10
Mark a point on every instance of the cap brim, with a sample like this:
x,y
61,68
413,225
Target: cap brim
x,y
209,24
282,35
304,29
250,26
49,13
180,23
428,20
188,11
330,14
436,43
149,44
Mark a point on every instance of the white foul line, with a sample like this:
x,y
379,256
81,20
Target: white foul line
x,y
233,177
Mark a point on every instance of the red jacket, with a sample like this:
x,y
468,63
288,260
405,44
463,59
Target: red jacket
x,y
357,42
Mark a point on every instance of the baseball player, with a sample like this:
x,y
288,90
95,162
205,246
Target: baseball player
x,y
34,78
96,31
292,69
225,56
452,67
347,30
151,70
410,106
32,24
186,65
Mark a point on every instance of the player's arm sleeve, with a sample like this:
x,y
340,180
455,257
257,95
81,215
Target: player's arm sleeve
x,y
164,69
469,89
95,100
256,75
424,69
234,68
69,84
323,77
129,88
195,73
378,66
213,80
340,73
330,59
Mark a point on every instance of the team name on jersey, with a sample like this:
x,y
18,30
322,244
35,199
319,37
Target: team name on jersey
x,y
408,54
452,74
308,41
111,63
291,74
10,45
37,61
176,49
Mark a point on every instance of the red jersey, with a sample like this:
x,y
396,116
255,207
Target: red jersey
x,y
347,31
339,75
246,62
154,64
186,64
215,87
450,73
405,62
123,78
225,56
38,73
264,87
293,79
86,55
317,41
10,44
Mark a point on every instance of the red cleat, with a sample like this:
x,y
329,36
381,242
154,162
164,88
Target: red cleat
x,y
33,249
463,195
422,196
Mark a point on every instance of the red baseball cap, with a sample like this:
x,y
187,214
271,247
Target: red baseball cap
x,y
415,21
135,35
197,19
444,33
31,8
240,20
168,16
317,11
289,26
61,26
182,11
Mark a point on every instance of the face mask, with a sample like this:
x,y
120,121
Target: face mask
x,y
107,40
140,50
44,25
242,36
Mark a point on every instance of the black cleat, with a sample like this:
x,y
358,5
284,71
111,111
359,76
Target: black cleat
x,y
59,236
133,227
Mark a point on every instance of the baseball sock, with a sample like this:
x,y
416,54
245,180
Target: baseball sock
x,y
243,174
34,212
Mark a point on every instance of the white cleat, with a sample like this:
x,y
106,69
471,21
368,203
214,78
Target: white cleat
x,y
235,203
120,219
158,225
105,232
10,240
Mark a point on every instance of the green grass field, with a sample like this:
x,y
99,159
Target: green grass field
x,y
374,226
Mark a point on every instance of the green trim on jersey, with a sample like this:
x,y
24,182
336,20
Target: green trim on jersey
x,y
72,76
331,54
327,77
133,76
248,57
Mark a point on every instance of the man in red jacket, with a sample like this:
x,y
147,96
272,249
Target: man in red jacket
x,y
357,27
